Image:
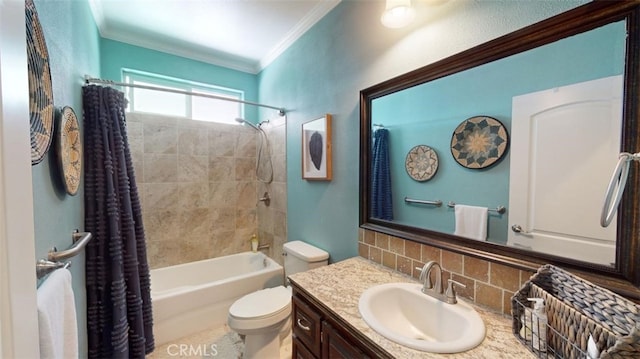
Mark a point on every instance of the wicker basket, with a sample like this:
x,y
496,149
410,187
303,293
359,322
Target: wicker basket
x,y
575,310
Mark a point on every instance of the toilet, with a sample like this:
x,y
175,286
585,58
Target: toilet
x,y
264,316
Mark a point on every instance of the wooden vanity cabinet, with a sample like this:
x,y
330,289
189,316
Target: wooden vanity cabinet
x,y
320,334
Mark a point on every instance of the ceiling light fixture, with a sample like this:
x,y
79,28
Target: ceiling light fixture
x,y
397,14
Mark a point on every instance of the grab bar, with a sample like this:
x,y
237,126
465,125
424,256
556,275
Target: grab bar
x,y
499,209
80,240
436,203
616,187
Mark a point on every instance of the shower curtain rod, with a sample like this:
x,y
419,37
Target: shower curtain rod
x,y
87,79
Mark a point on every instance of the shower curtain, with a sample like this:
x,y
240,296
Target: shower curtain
x,y
119,318
381,204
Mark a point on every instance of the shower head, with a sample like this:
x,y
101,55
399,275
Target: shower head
x,y
242,121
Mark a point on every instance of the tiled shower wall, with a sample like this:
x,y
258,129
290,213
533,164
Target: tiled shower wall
x,y
198,187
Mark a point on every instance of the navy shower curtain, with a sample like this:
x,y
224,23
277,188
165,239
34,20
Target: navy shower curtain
x,y
119,318
381,204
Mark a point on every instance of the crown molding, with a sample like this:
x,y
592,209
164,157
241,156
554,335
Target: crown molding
x,y
207,55
318,12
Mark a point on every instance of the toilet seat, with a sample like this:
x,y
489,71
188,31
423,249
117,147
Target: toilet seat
x,y
263,304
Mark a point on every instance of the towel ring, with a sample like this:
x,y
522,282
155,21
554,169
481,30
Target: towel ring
x,y
616,187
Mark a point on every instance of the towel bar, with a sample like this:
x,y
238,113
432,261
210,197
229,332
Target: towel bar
x,y
499,209
44,267
436,203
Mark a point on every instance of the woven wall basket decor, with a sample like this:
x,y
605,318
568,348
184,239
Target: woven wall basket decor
x,y
69,149
41,110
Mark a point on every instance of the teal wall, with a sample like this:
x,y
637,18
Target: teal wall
x,y
116,56
350,50
73,45
428,114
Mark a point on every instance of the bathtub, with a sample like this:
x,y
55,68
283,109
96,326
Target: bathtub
x,y
190,297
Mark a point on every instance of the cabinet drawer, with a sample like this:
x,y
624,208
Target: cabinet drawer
x,y
306,326
299,351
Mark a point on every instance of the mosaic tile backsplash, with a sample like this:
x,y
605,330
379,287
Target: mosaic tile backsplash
x,y
488,284
199,189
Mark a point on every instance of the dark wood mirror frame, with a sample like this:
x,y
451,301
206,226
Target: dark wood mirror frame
x,y
624,278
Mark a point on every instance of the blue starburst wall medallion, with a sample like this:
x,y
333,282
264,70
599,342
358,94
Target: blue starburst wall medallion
x,y
479,142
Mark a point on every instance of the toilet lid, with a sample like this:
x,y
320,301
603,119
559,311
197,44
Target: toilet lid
x,y
265,302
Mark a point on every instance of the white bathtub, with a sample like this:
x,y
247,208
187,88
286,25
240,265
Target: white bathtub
x,y
190,297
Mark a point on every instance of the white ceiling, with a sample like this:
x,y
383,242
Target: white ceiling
x,y
245,35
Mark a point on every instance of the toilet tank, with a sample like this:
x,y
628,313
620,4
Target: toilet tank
x,y
300,256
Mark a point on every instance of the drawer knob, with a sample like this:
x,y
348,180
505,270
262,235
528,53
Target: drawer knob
x,y
302,326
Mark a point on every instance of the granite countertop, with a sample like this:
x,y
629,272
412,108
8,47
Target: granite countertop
x,y
339,286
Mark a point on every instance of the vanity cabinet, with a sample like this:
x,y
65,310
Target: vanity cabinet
x,y
320,334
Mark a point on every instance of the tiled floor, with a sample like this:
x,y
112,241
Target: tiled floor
x,y
218,342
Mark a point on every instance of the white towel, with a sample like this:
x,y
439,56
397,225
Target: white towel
x,y
471,222
57,317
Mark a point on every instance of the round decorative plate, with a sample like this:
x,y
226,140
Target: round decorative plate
x,y
69,149
421,163
41,110
479,142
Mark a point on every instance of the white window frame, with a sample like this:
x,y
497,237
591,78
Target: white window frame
x,y
129,76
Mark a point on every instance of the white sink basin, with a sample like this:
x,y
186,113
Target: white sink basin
x,y
402,313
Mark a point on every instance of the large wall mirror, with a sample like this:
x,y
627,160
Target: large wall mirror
x,y
528,126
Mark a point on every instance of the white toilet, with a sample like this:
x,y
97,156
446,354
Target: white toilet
x,y
264,316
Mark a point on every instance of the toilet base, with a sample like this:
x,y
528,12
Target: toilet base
x,y
266,345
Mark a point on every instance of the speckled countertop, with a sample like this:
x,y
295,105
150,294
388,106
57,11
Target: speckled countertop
x,y
339,286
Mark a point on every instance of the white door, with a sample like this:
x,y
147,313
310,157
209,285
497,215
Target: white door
x,y
565,145
18,313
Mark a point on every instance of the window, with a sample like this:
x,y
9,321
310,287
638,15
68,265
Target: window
x,y
179,104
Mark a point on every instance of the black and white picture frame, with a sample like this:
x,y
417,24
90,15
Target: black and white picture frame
x,y
316,149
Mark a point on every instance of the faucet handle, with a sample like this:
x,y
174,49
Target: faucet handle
x,y
451,291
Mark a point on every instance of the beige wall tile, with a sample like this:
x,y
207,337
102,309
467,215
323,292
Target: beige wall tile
x,y
389,259
160,168
430,253
222,143
222,169
222,194
404,265
245,169
505,277
193,195
363,250
476,268
396,245
280,223
193,142
160,196
452,262
375,254
246,144
489,296
160,139
370,238
246,195
382,241
246,219
412,250
193,168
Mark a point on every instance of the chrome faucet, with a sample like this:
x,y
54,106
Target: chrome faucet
x,y
435,291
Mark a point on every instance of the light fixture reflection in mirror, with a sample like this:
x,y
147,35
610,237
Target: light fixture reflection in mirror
x,y
397,14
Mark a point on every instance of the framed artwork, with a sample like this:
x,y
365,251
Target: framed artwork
x,y
316,149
